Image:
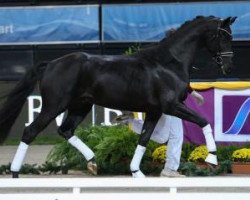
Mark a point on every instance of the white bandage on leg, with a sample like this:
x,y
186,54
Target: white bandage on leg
x,y
135,163
207,131
211,158
19,157
138,174
83,148
211,146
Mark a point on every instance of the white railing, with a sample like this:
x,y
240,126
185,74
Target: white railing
x,y
224,188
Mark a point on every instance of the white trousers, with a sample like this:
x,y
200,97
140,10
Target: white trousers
x,y
168,128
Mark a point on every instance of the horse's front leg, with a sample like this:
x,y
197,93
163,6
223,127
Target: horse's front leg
x,y
183,112
147,130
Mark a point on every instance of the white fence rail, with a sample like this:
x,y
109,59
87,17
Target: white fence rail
x,y
224,188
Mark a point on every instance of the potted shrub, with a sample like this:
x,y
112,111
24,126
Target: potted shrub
x,y
241,161
198,156
159,154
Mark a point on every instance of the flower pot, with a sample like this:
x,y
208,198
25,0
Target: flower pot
x,y
202,165
205,165
241,167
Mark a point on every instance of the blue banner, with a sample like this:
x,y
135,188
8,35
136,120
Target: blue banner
x,y
149,22
50,24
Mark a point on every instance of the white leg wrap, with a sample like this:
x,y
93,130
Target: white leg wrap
x,y
19,157
211,159
83,148
138,174
135,163
207,131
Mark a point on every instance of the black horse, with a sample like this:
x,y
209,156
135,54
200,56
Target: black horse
x,y
155,80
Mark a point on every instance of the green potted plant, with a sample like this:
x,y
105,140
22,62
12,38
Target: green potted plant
x,y
159,154
198,156
241,161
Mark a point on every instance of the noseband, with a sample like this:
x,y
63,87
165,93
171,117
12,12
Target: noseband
x,y
220,54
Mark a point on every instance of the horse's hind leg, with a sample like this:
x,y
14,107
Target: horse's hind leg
x,y
29,134
76,113
186,113
147,130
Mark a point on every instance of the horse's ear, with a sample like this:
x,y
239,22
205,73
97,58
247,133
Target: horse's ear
x,y
228,21
232,20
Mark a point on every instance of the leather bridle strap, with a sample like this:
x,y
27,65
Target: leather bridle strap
x,y
219,56
222,29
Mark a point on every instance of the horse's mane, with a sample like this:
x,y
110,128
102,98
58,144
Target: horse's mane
x,y
193,22
197,19
167,39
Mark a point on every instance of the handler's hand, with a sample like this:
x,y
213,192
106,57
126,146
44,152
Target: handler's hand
x,y
199,98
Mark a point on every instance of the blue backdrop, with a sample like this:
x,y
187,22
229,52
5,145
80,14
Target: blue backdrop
x,y
150,21
134,22
49,24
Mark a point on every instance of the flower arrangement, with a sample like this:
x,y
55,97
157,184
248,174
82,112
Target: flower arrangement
x,y
199,154
159,154
241,155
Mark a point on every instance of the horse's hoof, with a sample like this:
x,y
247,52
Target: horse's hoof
x,y
211,159
138,174
212,166
124,119
15,174
92,168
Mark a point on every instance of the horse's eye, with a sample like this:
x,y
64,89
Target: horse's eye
x,y
225,36
224,39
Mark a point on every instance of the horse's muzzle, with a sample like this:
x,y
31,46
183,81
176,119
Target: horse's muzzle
x,y
226,70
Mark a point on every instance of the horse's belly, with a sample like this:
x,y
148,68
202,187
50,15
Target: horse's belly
x,y
131,103
121,95
124,106
129,107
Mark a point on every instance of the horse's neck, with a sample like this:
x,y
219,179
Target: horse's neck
x,y
184,49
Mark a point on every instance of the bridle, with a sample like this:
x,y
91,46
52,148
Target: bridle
x,y
218,57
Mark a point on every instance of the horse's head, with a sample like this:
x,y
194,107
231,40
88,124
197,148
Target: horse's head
x,y
218,42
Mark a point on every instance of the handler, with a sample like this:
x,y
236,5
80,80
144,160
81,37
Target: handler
x,y
169,129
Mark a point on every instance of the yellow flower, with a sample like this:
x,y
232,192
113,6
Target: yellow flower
x,y
199,154
241,155
159,154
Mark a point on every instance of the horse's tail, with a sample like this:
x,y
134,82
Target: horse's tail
x,y
16,99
